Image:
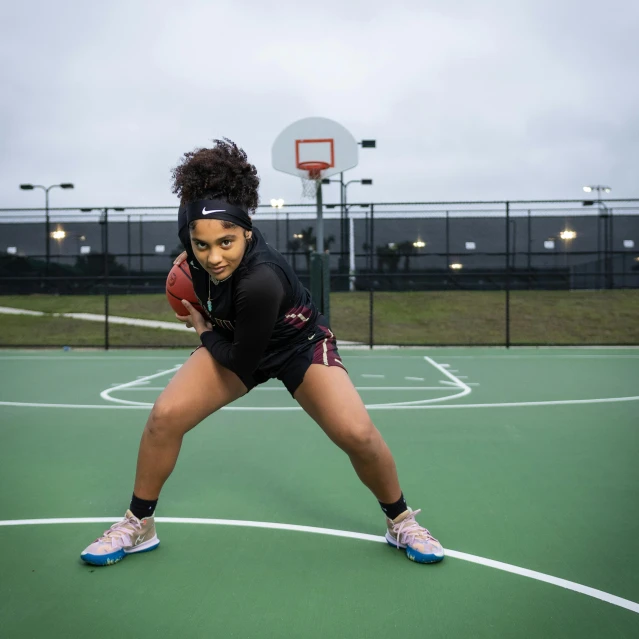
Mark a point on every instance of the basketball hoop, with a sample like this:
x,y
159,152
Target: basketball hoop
x,y
309,183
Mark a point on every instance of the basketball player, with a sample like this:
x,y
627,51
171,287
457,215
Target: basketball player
x,y
260,324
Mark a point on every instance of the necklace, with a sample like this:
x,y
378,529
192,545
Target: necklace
x,y
209,304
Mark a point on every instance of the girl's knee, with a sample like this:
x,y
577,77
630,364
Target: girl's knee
x,y
361,439
165,420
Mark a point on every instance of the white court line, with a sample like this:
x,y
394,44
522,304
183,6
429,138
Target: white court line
x,y
464,390
415,379
498,565
283,389
106,394
77,357
376,376
140,405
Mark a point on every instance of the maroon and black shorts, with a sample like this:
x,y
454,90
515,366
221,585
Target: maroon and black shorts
x,y
290,366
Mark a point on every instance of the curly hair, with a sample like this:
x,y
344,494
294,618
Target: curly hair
x,y
222,171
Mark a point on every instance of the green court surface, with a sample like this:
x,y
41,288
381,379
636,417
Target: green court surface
x,y
524,463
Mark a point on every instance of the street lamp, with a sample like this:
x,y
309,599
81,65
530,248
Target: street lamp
x,y
365,144
419,244
567,236
277,204
343,200
597,187
46,189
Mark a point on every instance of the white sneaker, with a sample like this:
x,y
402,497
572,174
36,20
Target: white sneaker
x,y
420,545
123,538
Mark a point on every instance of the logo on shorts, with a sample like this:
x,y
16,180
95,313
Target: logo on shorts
x,y
311,337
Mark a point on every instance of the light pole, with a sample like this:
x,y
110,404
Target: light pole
x,y
104,222
605,215
567,236
343,240
351,242
597,187
277,204
46,189
343,202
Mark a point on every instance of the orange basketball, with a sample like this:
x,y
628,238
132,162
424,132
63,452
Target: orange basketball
x,y
179,286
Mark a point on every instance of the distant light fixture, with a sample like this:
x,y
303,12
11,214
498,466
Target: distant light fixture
x,y
85,250
298,236
368,144
568,235
597,187
12,250
82,238
58,235
392,246
419,244
277,203
367,182
629,244
160,248
549,244
457,266
470,246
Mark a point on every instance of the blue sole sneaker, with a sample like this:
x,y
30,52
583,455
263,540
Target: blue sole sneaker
x,y
126,537
404,532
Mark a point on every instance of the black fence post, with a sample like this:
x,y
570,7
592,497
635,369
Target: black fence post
x,y
507,274
371,295
140,226
372,208
106,278
447,230
612,251
529,243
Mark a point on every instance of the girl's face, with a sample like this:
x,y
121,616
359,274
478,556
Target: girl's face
x,y
218,250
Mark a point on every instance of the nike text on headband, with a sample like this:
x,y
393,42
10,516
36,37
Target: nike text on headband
x,y
217,210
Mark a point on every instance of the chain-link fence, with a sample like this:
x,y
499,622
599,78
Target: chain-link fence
x,y
498,273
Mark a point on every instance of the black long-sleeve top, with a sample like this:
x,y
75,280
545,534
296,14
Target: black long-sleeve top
x,y
256,313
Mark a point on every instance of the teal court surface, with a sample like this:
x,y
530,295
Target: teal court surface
x,y
525,464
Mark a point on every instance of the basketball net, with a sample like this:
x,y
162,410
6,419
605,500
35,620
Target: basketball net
x,y
314,176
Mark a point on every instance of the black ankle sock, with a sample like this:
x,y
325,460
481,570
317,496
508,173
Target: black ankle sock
x,y
142,508
392,511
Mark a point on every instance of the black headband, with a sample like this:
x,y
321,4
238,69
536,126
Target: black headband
x,y
218,210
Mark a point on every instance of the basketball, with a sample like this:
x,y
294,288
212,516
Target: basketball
x,y
179,286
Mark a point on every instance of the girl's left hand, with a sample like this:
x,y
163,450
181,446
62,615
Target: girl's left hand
x,y
194,319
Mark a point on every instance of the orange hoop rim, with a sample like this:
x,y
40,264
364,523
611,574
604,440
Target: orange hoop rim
x,y
314,168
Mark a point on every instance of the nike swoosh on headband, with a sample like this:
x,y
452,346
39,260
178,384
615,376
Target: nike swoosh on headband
x,y
205,212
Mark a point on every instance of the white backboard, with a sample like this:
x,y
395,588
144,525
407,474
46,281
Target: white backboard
x,y
314,140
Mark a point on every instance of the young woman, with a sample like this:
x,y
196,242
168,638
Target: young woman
x,y
260,324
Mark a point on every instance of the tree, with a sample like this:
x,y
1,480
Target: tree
x,y
406,249
309,242
387,254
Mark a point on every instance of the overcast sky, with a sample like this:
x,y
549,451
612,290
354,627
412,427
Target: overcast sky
x,y
467,99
